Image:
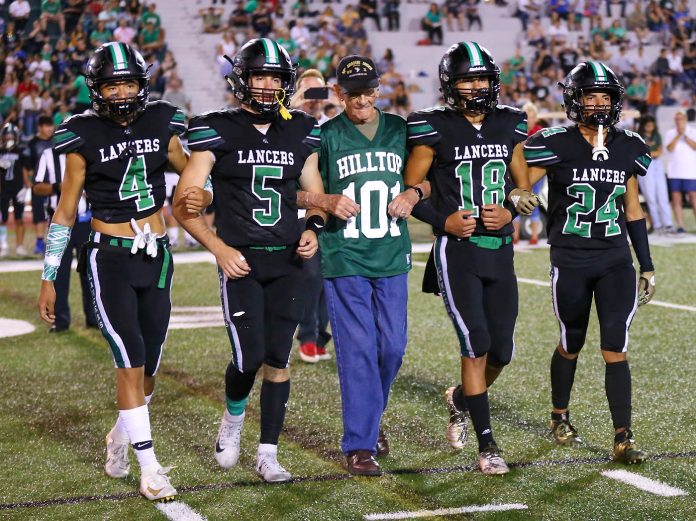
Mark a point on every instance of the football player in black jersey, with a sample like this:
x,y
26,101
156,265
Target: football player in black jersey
x,y
118,154
593,206
471,152
256,156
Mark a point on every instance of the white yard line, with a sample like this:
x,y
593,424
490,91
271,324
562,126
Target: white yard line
x,y
660,303
543,283
646,484
204,256
445,511
197,309
178,511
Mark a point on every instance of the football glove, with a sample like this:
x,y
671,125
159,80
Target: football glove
x,y
524,201
646,287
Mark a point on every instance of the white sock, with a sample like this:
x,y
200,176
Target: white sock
x,y
228,418
136,423
118,431
267,449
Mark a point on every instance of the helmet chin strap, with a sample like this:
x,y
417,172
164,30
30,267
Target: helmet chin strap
x,y
284,113
600,152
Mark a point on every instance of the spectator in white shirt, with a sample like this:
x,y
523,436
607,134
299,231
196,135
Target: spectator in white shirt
x,y
19,13
301,35
124,33
681,166
557,32
639,63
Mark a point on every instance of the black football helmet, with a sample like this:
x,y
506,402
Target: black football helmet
x,y
262,55
9,137
469,60
116,62
586,77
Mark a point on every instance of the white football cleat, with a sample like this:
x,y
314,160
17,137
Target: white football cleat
x,y
21,251
157,487
268,468
117,464
228,442
458,424
491,463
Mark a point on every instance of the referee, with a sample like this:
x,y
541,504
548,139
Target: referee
x,y
47,182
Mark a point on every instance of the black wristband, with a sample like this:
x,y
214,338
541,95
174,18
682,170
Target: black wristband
x,y
315,223
511,208
418,190
56,188
638,232
425,212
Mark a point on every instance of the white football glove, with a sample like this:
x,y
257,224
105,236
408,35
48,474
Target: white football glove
x,y
524,201
646,287
144,239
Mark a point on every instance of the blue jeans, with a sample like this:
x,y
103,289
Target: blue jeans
x,y
368,322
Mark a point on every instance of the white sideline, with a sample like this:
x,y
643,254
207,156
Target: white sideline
x,y
536,282
660,303
178,511
446,511
646,484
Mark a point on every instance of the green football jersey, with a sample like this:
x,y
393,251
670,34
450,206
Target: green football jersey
x,y
372,244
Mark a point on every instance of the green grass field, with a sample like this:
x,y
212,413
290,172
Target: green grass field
x,y
57,395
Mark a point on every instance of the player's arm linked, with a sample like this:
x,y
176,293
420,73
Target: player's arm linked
x,y
197,170
522,197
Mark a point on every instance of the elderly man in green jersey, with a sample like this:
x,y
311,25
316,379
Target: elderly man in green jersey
x,y
365,258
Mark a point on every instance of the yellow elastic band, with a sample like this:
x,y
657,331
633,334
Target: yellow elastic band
x,y
284,113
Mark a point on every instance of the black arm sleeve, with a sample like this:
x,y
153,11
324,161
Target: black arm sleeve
x,y
638,233
426,213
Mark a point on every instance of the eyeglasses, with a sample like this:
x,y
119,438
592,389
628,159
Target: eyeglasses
x,y
372,93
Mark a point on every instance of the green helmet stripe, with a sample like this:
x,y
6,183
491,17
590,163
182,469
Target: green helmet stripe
x,y
600,72
118,56
475,57
271,49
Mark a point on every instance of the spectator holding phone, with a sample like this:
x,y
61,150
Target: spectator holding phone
x,y
312,96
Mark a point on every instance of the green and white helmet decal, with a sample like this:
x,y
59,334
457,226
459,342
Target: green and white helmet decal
x,y
587,77
111,62
262,55
118,56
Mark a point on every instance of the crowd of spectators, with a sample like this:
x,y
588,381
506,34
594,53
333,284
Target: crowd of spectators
x,y
46,44
558,34
315,35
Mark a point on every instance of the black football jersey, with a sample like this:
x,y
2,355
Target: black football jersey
x,y
12,164
255,175
125,165
586,208
471,166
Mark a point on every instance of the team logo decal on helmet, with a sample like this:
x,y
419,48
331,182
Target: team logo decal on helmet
x,y
263,55
117,62
587,77
469,60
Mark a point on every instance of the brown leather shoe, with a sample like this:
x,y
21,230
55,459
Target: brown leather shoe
x,y
382,444
362,463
